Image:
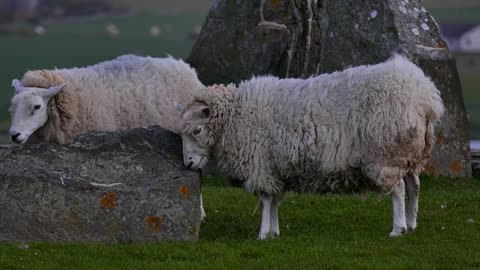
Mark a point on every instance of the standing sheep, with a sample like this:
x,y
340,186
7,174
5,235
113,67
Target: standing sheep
x,y
131,91
365,128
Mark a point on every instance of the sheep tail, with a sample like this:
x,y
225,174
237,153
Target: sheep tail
x,y
429,140
429,143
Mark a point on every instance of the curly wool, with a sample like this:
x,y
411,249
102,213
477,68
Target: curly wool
x,y
127,92
360,129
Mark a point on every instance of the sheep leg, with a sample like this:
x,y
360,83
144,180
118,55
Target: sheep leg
x,y
274,228
202,211
265,225
398,203
413,188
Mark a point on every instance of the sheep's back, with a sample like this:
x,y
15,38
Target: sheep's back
x,y
133,91
330,123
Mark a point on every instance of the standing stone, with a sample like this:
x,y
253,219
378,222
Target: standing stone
x,y
301,38
105,187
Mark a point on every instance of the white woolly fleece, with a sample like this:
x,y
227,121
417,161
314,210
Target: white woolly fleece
x,y
362,128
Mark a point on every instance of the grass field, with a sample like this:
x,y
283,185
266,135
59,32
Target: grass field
x,y
451,4
456,15
469,70
164,6
149,6
459,11
317,232
471,90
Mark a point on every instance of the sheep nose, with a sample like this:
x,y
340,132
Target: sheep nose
x,y
15,136
190,164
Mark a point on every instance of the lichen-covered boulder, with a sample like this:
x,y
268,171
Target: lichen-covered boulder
x,y
301,38
105,187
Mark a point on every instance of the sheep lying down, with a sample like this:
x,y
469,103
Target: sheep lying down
x,y
367,128
131,91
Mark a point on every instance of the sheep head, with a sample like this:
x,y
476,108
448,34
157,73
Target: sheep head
x,y
29,109
197,138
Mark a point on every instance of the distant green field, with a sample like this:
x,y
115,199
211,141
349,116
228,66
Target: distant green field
x,y
456,15
469,70
471,95
154,6
449,4
163,6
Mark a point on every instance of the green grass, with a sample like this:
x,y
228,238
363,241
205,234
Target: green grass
x,y
459,11
451,4
4,138
469,68
321,232
471,91
164,6
151,6
456,14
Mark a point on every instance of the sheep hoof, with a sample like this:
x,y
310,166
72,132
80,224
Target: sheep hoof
x,y
398,232
263,236
411,227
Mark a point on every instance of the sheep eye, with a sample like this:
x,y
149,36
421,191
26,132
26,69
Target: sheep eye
x,y
197,131
36,107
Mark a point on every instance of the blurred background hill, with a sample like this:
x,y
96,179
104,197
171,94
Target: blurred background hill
x,y
37,34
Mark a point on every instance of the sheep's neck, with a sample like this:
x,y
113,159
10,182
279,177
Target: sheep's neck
x,y
48,131
223,114
58,128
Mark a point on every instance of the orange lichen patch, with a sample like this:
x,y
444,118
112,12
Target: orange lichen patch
x,y
265,38
171,157
442,44
275,4
185,191
192,230
108,200
154,223
440,139
429,168
456,166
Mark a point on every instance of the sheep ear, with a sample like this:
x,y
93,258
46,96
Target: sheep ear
x,y
178,106
52,91
17,86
